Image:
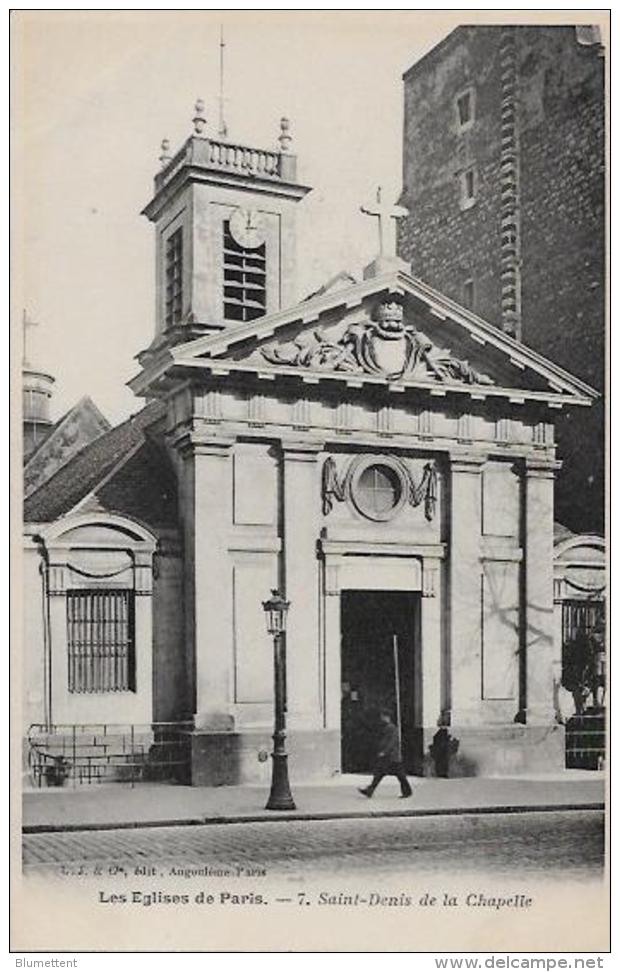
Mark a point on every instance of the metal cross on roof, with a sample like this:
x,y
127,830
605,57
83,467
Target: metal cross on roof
x,y
386,216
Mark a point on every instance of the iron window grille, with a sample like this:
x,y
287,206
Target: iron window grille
x,y
101,641
173,311
581,619
245,279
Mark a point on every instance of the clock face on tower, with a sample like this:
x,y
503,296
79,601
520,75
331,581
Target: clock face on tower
x,y
247,228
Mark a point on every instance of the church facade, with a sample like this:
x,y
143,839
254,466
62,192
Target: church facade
x,y
377,452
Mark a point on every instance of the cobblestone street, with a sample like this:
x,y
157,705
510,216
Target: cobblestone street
x,y
567,844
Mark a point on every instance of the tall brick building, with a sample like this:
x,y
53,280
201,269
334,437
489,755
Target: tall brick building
x,y
503,176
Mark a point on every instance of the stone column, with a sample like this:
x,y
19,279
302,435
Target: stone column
x,y
301,523
209,626
464,588
538,607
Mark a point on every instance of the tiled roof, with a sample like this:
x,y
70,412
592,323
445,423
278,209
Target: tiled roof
x,y
78,427
81,475
144,488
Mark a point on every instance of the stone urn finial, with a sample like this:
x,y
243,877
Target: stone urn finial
x,y
284,138
165,156
199,119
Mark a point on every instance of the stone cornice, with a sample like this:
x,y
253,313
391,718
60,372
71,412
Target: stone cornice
x,y
189,173
192,442
464,462
301,450
259,371
340,548
401,284
221,435
539,467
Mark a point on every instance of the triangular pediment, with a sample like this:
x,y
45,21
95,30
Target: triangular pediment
x,y
391,329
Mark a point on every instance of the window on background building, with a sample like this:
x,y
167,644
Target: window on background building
x,y
173,309
468,294
465,108
468,184
101,640
245,279
35,404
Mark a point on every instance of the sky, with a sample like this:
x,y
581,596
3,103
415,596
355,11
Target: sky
x,y
94,94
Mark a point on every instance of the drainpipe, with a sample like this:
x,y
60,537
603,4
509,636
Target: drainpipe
x,y
47,633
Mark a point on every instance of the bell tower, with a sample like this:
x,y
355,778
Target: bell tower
x,y
224,216
37,389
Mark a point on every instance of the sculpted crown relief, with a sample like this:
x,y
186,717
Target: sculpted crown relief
x,y
387,345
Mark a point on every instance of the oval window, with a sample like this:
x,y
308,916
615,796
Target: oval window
x,y
379,490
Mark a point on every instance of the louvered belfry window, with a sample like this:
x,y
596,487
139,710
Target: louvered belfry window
x,y
174,278
245,292
101,640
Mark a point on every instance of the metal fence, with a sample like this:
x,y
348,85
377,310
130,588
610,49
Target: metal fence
x,y
74,754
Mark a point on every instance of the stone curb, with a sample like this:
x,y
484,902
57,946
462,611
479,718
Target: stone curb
x,y
300,815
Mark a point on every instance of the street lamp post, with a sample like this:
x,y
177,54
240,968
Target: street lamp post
x,y
280,797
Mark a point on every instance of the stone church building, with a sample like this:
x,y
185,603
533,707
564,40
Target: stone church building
x,y
378,452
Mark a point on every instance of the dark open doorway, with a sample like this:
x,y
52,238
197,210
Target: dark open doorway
x,y
370,623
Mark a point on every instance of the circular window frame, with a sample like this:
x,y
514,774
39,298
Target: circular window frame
x,y
360,466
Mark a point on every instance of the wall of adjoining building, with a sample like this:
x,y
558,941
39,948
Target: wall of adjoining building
x,y
558,175
446,245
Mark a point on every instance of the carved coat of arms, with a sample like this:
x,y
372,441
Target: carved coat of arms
x,y
387,346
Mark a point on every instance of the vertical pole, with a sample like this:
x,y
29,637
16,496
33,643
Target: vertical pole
x,y
397,687
73,753
280,797
47,663
133,755
223,131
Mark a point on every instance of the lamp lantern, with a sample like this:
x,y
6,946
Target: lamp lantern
x,y
276,609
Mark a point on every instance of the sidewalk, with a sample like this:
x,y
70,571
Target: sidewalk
x,y
108,806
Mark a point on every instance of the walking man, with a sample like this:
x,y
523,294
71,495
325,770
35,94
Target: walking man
x,y
389,758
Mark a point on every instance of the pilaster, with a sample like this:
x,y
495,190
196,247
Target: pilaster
x,y
331,641
465,626
538,607
430,623
300,525
209,629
